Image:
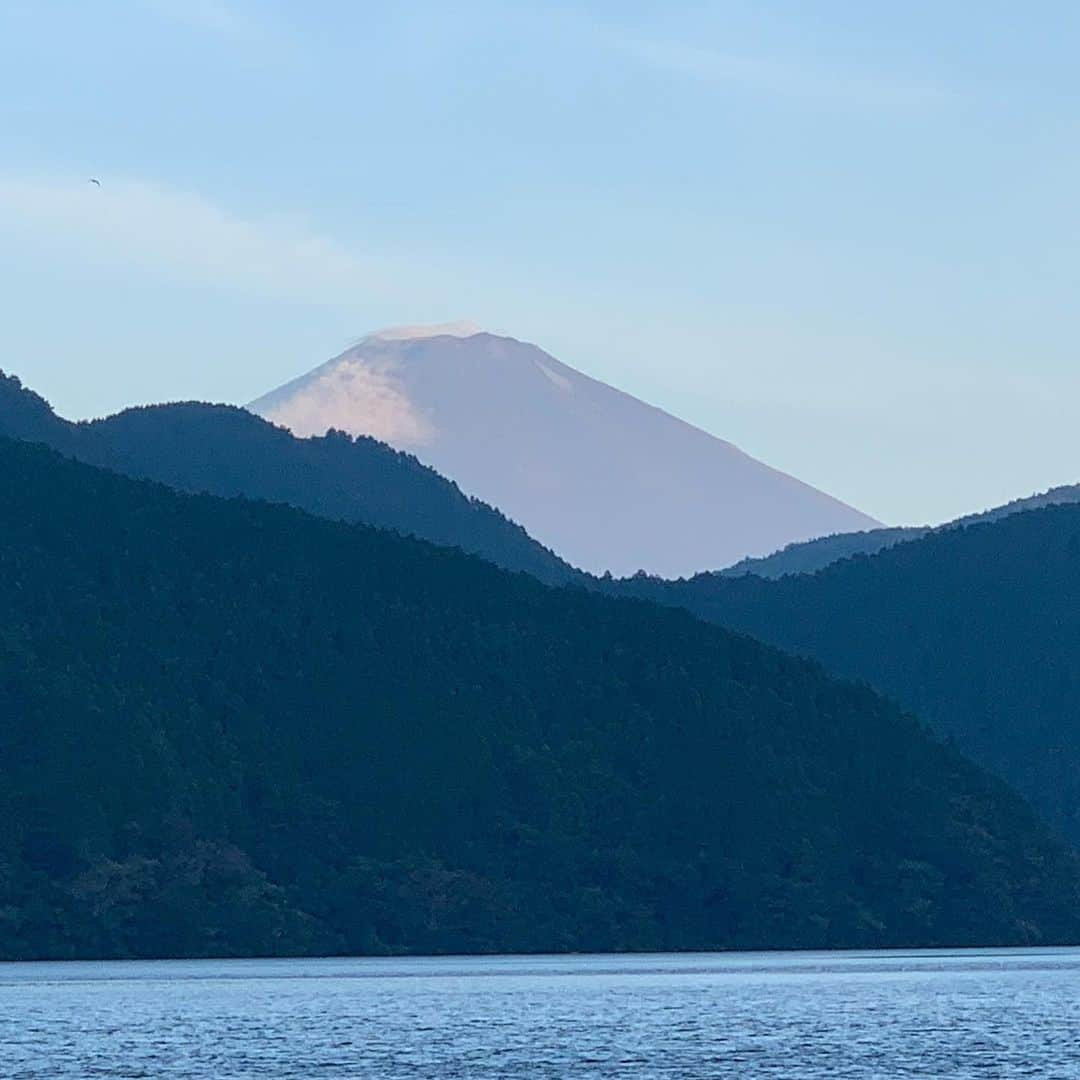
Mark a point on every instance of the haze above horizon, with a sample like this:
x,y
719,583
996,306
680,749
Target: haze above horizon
x,y
843,239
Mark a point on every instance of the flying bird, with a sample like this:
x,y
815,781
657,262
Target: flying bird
x,y
93,180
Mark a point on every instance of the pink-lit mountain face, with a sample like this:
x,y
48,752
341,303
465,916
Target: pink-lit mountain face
x,y
608,481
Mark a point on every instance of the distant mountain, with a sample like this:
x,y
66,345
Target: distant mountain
x,y
233,729
813,555
809,556
609,482
227,451
976,628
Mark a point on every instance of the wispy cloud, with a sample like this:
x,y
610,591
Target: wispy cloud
x,y
790,79
185,237
214,16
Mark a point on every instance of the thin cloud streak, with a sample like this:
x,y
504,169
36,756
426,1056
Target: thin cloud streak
x,y
215,16
775,77
133,224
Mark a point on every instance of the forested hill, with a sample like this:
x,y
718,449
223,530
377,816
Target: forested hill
x,y
227,451
809,556
812,555
976,628
231,728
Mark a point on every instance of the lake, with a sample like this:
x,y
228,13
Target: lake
x,y
977,1013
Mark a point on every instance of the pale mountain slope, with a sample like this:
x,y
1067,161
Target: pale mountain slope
x,y
607,481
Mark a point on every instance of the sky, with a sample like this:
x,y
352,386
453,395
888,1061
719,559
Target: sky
x,y
844,236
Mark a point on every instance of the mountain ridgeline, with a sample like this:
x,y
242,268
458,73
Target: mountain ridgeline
x,y
809,556
230,728
976,628
223,450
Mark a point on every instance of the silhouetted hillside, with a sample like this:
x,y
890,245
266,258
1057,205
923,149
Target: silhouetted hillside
x,y
227,451
976,628
813,555
231,728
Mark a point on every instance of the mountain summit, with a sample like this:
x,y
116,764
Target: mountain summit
x,y
608,481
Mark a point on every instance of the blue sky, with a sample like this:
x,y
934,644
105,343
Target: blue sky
x,y
842,235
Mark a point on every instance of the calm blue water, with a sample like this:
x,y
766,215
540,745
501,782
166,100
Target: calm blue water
x,y
1006,1013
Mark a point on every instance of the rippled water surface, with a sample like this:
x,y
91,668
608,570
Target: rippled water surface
x,y
793,1015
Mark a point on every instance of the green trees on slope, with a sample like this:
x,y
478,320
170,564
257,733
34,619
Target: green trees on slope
x,y
975,628
227,451
230,728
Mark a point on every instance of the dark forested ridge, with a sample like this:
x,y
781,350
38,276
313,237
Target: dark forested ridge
x,y
975,628
230,728
228,451
809,556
